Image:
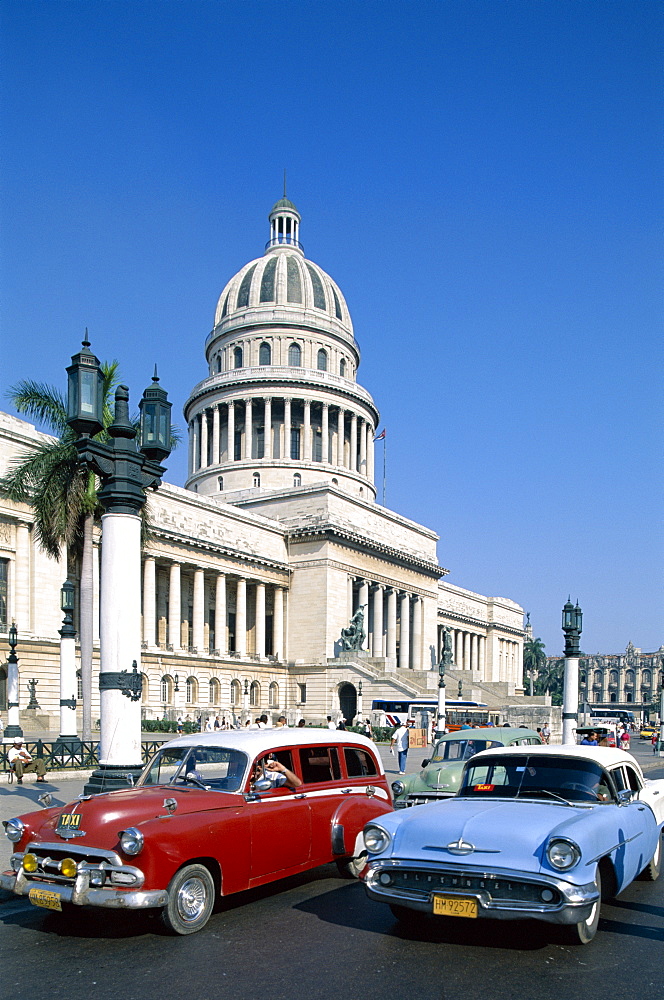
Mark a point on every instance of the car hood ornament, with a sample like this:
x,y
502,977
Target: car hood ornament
x,y
460,846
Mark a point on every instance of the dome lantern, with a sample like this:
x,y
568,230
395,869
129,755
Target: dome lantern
x,y
284,225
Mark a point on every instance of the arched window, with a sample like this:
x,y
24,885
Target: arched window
x,y
167,689
273,695
237,357
255,694
265,354
335,481
342,367
598,678
215,691
218,363
295,355
257,479
236,692
192,690
322,360
145,689
645,678
297,479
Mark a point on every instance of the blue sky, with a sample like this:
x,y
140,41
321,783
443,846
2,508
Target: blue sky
x,y
482,179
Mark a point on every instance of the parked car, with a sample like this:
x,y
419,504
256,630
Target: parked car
x,y
205,820
440,776
607,735
543,832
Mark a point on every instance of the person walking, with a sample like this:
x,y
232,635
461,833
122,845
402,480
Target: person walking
x,y
400,740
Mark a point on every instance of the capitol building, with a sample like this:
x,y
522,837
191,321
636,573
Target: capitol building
x,y
255,566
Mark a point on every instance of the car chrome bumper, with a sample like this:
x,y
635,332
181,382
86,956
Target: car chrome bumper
x,y
82,894
575,901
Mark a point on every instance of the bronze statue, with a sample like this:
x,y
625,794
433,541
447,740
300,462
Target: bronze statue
x,y
354,635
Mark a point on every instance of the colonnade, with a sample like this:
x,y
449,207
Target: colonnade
x,y
196,610
281,428
469,649
393,620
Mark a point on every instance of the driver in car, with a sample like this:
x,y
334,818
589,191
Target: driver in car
x,y
267,768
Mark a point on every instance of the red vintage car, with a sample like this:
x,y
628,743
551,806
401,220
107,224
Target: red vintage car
x,y
212,814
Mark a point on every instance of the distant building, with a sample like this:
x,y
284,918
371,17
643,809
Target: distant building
x,y
276,540
629,680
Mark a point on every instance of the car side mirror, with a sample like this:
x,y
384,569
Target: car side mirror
x,y
425,762
262,785
130,780
625,796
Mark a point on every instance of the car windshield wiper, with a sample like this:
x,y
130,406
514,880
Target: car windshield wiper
x,y
542,791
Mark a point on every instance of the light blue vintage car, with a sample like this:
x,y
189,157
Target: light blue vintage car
x,y
543,832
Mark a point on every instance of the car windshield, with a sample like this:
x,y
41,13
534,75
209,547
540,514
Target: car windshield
x,y
215,767
536,777
460,749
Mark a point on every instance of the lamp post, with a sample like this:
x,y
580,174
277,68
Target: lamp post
x,y
359,701
572,625
68,739
13,728
245,701
446,661
661,714
125,473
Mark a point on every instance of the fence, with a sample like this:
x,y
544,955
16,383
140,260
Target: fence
x,y
59,758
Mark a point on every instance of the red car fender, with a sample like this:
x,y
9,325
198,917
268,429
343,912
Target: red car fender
x,y
351,816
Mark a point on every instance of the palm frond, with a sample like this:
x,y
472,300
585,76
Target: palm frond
x,y
43,402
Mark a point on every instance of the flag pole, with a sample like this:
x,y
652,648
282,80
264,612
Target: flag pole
x,y
384,465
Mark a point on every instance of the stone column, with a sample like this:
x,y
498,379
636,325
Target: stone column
x,y
231,432
22,586
370,452
349,598
198,624
482,655
278,624
473,651
241,617
267,450
306,444
215,435
352,464
363,448
391,649
466,650
325,434
417,633
341,426
363,601
287,429
204,440
377,638
174,607
149,601
192,445
220,614
248,429
458,648
260,620
404,637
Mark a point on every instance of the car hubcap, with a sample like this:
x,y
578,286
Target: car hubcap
x,y
191,899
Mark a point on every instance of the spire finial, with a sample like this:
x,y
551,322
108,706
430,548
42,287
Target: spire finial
x,y
284,182
86,339
155,377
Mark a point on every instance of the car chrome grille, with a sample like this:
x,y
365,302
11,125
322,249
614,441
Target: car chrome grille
x,y
422,883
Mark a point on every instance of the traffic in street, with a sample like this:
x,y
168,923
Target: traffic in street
x,y
317,935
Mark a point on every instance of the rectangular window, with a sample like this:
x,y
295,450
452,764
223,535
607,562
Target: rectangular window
x,y
295,443
4,575
318,446
319,764
231,632
212,631
302,694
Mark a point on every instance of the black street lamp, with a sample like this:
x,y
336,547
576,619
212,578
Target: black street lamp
x,y
572,626
125,473
13,728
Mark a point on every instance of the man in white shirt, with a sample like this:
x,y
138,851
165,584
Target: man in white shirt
x,y
330,724
400,740
22,761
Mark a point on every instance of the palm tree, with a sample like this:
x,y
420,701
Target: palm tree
x,y
534,660
63,495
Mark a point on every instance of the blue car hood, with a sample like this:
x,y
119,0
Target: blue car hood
x,y
504,834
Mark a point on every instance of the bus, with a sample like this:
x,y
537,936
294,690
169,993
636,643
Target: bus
x,y
390,712
614,715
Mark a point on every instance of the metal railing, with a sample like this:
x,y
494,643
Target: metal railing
x,y
59,758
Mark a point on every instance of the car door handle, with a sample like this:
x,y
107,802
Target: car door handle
x,y
300,795
346,791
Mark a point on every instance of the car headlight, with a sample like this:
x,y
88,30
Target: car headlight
x,y
14,829
398,787
376,840
563,853
131,841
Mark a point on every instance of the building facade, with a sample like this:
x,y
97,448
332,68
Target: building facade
x,y
631,680
254,568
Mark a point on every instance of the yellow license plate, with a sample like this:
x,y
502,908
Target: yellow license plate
x,y
453,906
42,897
